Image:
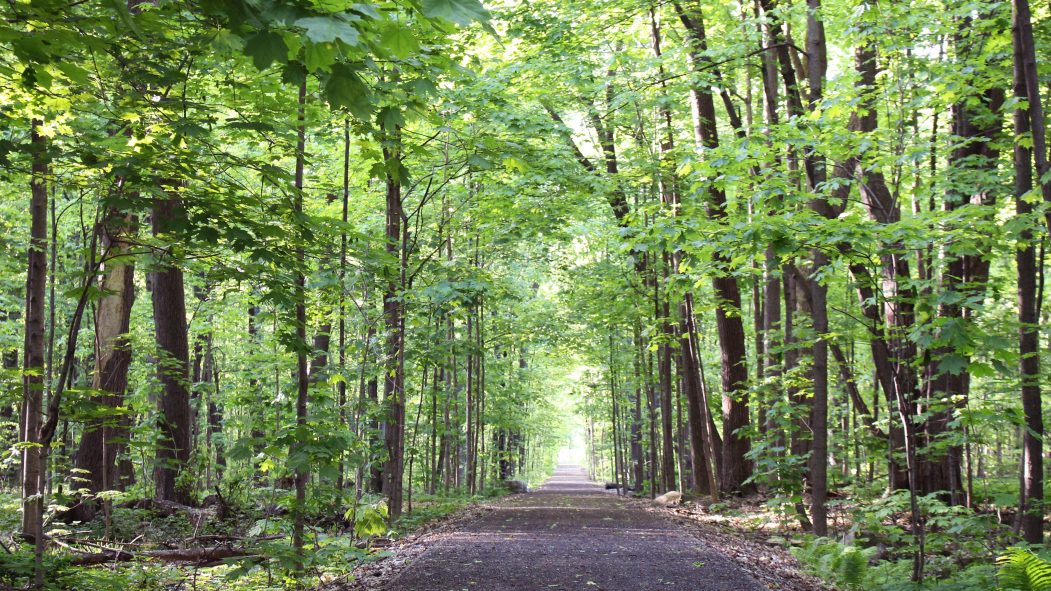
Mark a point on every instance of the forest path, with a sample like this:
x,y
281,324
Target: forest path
x,y
570,534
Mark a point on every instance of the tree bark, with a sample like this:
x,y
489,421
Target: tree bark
x,y
1032,493
169,316
102,440
33,356
394,380
342,342
897,287
817,64
302,465
703,438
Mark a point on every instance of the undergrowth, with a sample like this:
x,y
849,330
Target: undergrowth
x,y
332,551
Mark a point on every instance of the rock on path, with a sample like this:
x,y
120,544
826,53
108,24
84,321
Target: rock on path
x,y
569,535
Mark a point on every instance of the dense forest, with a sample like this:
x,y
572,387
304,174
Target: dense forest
x,y
283,279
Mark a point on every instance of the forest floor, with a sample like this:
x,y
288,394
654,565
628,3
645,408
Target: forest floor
x,y
572,534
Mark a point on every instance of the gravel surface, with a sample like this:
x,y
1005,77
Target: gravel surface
x,y
570,534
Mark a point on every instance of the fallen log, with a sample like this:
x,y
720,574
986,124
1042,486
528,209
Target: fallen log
x,y
193,555
162,507
229,538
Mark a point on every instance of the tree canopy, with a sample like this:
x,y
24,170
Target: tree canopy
x,y
310,262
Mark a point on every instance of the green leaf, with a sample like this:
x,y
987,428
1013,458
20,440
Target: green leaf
x,y
461,12
75,73
391,118
479,162
319,56
399,41
266,47
952,364
125,15
344,88
326,29
227,42
981,370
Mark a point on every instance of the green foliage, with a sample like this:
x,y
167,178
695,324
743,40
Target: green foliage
x,y
370,518
461,12
1022,570
847,566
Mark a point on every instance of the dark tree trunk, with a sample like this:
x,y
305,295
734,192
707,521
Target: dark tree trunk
x,y
469,399
900,294
342,311
637,457
703,443
815,170
394,380
664,355
33,358
1032,493
322,350
1037,125
258,413
169,316
662,305
302,467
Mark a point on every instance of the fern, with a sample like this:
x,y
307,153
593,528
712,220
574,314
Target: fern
x,y
851,567
847,566
1021,570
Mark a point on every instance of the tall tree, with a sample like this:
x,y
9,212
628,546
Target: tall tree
x,y
736,467
33,356
103,438
169,317
394,324
302,466
1032,493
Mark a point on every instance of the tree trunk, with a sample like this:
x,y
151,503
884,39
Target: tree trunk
x,y
1037,125
897,287
736,467
102,440
702,438
1032,493
33,356
637,457
302,465
394,380
169,316
665,375
815,167
342,343
946,392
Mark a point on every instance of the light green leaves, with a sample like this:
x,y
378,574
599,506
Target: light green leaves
x,y
319,56
399,41
371,519
461,12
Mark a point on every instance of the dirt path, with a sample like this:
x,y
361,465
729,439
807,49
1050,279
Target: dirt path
x,y
570,534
